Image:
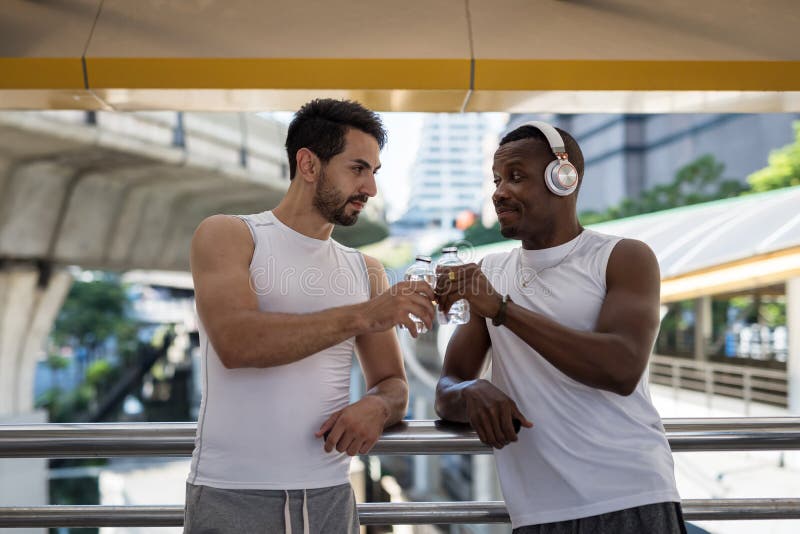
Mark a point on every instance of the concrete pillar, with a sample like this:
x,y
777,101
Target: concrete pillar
x,y
793,358
17,291
703,325
47,307
28,307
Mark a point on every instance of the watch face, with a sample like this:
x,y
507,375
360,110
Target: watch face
x,y
567,175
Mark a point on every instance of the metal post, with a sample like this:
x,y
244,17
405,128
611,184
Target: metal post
x,y
748,394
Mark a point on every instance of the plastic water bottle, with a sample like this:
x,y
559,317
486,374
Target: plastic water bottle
x,y
459,311
422,270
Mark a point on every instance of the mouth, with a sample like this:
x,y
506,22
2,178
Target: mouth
x,y
358,204
504,210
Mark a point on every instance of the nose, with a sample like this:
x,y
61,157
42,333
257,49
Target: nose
x,y
370,187
499,193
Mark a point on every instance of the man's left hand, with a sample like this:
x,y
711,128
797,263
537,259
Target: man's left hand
x,y
467,282
356,428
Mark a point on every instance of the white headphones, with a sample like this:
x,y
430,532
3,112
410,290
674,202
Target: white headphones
x,y
560,176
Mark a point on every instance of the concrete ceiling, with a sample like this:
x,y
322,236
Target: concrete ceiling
x,y
417,55
75,194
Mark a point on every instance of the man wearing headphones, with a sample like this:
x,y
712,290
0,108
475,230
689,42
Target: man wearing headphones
x,y
571,317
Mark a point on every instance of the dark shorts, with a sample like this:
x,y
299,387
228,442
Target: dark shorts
x,y
659,518
222,511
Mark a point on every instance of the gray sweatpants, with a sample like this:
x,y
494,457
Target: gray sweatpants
x,y
659,518
222,511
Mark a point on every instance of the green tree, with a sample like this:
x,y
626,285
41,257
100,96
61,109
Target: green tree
x,y
698,181
783,169
92,312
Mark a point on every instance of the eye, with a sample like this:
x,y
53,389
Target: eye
x,y
516,177
357,169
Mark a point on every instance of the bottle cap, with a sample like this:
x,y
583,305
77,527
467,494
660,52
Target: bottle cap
x,y
447,250
424,258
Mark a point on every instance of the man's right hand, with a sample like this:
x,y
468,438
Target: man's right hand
x,y
491,413
393,307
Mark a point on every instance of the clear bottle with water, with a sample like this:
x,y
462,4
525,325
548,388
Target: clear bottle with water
x,y
421,269
459,311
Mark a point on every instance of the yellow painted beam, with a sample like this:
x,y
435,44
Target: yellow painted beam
x,y
403,74
623,75
747,274
41,73
270,73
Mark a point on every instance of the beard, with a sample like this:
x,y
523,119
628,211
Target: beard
x,y
332,204
508,231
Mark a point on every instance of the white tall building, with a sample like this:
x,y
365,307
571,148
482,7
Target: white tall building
x,y
451,166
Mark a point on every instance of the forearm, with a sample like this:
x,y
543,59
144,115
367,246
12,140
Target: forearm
x,y
393,393
262,339
595,359
450,403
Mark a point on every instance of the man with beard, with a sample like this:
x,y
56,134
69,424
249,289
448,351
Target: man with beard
x,y
571,317
282,306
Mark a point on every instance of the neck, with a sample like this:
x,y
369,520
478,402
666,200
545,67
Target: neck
x,y
297,211
557,233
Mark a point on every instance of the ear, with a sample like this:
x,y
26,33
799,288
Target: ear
x,y
308,165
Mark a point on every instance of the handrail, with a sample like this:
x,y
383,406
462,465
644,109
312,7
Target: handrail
x,y
409,437
105,440
409,513
700,365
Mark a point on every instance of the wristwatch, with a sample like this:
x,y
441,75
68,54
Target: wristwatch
x,y
500,318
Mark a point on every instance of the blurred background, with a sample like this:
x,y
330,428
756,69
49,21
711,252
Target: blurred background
x,y
125,124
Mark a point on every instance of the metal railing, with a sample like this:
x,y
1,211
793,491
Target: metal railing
x,y
409,437
712,378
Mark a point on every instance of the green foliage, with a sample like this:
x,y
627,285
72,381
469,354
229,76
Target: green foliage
x,y
699,181
360,235
783,169
100,373
478,234
773,313
57,362
92,312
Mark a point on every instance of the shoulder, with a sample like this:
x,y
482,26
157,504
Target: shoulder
x,y
378,281
221,226
222,235
632,258
634,251
372,263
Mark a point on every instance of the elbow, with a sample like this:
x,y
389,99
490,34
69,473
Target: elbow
x,y
629,370
440,409
440,403
625,388
229,352
228,359
626,383
404,395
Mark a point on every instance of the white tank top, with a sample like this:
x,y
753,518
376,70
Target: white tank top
x,y
256,426
590,451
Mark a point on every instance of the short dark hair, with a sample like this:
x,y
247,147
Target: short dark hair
x,y
321,126
570,144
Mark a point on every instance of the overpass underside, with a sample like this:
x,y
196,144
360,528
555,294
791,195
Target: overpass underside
x,y
449,55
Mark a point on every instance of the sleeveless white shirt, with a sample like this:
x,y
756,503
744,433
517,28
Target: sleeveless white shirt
x,y
590,451
256,426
